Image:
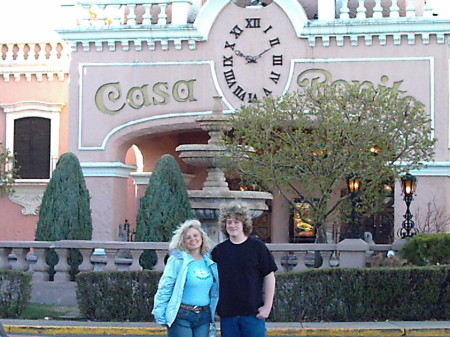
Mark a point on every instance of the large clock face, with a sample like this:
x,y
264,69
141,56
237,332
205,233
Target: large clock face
x,y
253,64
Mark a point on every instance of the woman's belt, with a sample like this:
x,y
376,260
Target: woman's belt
x,y
195,308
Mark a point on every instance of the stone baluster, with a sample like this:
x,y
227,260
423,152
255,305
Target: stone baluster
x,y
20,55
147,16
395,9
411,8
135,255
428,12
21,259
131,18
326,257
361,10
42,51
345,10
110,259
86,264
160,254
10,53
301,256
180,11
40,268
326,9
62,268
53,53
4,258
377,10
162,16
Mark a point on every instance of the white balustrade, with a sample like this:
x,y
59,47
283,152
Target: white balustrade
x,y
119,12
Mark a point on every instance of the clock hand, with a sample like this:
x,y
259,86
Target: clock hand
x,y
248,58
260,54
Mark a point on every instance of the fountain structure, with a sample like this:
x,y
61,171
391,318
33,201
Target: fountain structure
x,y
215,192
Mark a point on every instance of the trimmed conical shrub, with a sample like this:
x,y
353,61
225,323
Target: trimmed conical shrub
x,y
163,207
65,212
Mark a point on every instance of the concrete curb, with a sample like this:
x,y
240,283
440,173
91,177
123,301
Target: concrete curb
x,y
347,332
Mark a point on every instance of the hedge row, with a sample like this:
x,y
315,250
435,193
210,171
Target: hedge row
x,y
117,296
15,292
409,293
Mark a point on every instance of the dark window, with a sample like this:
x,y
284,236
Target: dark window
x,y
32,147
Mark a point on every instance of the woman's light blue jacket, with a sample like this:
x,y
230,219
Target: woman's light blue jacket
x,y
171,285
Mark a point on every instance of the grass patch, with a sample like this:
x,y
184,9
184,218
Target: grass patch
x,y
48,311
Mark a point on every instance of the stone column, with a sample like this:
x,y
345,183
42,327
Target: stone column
x,y
352,253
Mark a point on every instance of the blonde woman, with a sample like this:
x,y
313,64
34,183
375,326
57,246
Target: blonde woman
x,y
188,290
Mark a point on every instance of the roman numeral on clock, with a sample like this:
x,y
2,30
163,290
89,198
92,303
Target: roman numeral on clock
x,y
228,61
253,23
236,31
275,77
277,60
230,78
267,92
229,45
240,93
274,42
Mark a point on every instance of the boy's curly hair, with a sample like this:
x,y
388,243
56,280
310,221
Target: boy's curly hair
x,y
238,211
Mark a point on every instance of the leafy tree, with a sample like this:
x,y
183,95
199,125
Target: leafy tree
x,y
305,144
163,207
65,212
7,171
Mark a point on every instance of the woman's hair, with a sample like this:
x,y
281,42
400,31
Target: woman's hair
x,y
237,211
177,241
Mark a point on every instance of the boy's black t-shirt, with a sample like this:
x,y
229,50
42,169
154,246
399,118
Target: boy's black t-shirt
x,y
242,268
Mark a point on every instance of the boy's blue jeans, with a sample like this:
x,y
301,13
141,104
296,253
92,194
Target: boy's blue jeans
x,y
190,324
242,326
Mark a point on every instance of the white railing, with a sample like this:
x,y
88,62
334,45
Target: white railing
x,y
134,13
30,255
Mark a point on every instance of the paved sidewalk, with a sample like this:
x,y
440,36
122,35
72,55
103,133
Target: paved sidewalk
x,y
347,329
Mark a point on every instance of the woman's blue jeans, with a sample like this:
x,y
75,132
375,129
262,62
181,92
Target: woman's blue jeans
x,y
190,324
242,326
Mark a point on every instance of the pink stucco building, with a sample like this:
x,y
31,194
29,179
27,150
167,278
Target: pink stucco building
x,y
120,83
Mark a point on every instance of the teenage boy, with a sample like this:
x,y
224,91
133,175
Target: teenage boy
x,y
246,274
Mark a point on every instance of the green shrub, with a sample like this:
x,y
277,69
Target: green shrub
x,y
425,248
65,212
15,292
409,293
164,206
117,296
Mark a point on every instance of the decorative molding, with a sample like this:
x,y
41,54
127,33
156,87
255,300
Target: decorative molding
x,y
107,169
367,31
434,169
142,178
28,194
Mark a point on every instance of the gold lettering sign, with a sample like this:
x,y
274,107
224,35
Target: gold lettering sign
x,y
111,99
313,77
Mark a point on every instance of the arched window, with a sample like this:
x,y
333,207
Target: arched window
x,y
32,147
32,135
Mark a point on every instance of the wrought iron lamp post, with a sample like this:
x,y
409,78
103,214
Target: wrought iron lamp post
x,y
408,229
354,230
